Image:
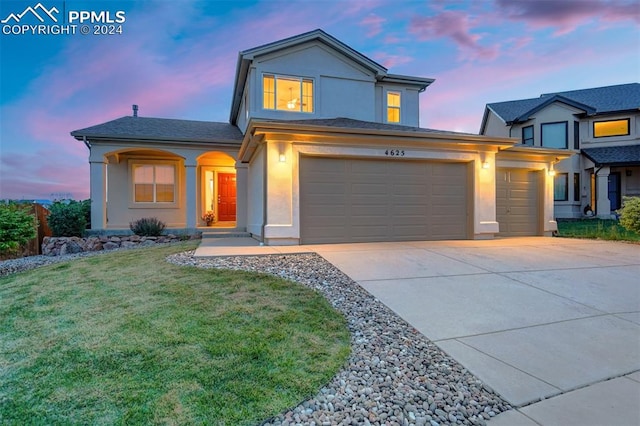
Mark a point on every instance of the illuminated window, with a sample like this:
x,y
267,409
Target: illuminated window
x,y
287,93
554,135
393,107
154,183
561,187
603,129
527,135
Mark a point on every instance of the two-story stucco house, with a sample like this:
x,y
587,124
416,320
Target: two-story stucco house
x,y
322,145
601,126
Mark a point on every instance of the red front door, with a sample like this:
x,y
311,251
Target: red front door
x,y
226,197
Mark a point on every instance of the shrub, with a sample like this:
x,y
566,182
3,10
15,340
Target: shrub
x,y
17,227
147,227
630,214
67,218
86,207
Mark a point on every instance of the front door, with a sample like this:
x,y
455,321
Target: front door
x,y
226,197
614,191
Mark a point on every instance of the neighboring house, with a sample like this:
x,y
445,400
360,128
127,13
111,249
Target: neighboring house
x,y
601,126
322,145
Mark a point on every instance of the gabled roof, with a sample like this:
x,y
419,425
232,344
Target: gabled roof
x,y
161,129
614,156
247,56
598,100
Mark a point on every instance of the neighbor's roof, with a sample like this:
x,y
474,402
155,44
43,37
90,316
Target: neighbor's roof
x,y
161,129
598,100
613,156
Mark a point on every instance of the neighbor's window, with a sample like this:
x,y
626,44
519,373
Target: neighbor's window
x,y
286,93
393,107
154,183
560,187
603,129
554,135
527,135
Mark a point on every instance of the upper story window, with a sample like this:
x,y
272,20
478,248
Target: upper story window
x,y
285,93
393,107
554,135
527,135
154,183
603,129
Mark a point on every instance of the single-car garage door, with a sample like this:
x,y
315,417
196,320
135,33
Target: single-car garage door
x,y
357,200
517,202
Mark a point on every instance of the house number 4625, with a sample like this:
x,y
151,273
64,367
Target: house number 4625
x,y
394,153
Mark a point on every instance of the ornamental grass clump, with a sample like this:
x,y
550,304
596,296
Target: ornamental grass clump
x,y
147,227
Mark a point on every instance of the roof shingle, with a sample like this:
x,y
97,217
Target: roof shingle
x,y
166,129
628,155
600,100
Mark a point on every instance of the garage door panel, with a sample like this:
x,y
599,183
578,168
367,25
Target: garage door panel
x,y
385,200
517,203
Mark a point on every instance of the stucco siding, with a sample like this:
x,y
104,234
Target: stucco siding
x,y
255,191
496,127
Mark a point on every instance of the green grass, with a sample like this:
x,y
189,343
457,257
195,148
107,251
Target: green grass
x,y
128,338
596,229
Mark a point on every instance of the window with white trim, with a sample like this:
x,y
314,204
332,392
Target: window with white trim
x,y
393,107
154,183
287,93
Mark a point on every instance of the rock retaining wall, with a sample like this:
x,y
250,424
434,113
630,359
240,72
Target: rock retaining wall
x,y
56,246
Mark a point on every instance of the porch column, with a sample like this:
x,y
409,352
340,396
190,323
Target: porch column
x,y
242,202
603,205
98,193
191,196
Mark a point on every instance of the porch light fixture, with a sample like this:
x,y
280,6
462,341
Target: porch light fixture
x,y
283,158
552,172
485,165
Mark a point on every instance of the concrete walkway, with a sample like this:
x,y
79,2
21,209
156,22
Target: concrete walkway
x,y
551,324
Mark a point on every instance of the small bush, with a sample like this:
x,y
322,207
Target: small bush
x,y
630,214
67,218
17,227
86,207
147,227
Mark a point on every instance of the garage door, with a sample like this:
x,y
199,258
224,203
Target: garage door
x,y
349,200
517,205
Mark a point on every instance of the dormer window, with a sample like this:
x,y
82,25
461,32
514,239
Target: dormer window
x,y
286,93
393,107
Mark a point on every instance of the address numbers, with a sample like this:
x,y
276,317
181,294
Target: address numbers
x,y
394,152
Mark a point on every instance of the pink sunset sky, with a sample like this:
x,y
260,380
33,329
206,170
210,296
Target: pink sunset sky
x,y
176,59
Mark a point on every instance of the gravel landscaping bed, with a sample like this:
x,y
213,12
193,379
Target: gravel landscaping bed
x,y
394,376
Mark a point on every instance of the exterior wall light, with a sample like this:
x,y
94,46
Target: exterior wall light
x,y
486,165
552,172
283,158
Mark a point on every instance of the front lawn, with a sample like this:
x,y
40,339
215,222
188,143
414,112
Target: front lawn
x,y
128,338
595,228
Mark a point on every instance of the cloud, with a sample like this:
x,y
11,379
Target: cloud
x,y
391,61
374,23
456,26
567,15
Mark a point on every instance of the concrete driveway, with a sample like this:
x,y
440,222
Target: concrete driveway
x,y
551,324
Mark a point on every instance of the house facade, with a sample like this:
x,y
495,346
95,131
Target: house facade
x,y
599,127
322,146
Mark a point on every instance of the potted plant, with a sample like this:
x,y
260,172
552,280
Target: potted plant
x,y
209,217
